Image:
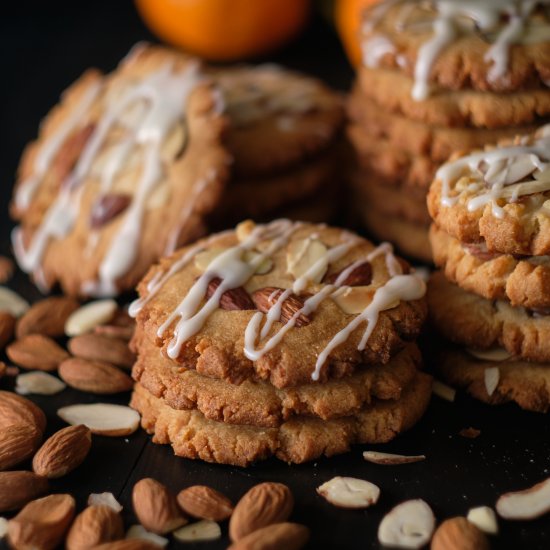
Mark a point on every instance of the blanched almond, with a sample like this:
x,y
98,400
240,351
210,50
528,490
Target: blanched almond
x,y
47,317
12,302
200,501
484,518
88,316
94,376
200,531
19,487
95,525
36,351
39,383
349,492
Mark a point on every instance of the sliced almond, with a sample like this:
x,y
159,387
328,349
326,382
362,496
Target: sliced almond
x,y
36,351
408,525
42,524
200,501
139,532
18,443
391,459
39,383
105,499
494,354
443,390
19,487
159,196
484,518
7,327
102,418
349,492
97,347
15,409
201,531
459,534
47,317
12,302
87,317
204,259
290,536
491,377
527,504
307,256
95,525
3,527
94,376
354,300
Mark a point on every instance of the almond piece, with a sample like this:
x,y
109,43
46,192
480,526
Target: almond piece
x,y
204,259
155,507
290,536
18,487
204,502
459,534
7,327
6,269
235,299
108,207
359,276
484,518
388,459
262,505
18,442
443,390
491,378
354,300
38,382
87,317
3,527
95,525
139,532
15,409
12,302
102,418
307,256
36,351
42,523
200,531
94,376
62,452
349,492
97,347
527,504
265,298
105,499
47,317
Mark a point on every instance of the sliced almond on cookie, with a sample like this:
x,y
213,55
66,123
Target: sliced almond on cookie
x,y
349,492
307,256
204,259
102,418
390,459
527,504
354,300
88,316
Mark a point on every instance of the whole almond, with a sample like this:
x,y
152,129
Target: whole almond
x,y
265,299
62,452
290,536
7,327
46,317
128,544
6,269
95,525
359,276
42,523
94,376
18,487
36,351
107,207
155,507
263,505
204,502
15,409
235,299
459,534
97,347
67,155
18,442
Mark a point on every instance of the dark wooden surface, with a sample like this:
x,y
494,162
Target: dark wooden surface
x,y
47,45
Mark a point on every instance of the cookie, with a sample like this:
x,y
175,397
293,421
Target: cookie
x,y
475,322
392,90
125,168
206,306
410,239
492,47
298,440
279,118
260,403
523,281
498,196
522,382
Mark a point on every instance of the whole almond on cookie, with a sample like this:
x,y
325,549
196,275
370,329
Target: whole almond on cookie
x,y
263,505
459,534
47,317
94,376
265,299
18,442
359,276
204,502
36,351
234,299
290,536
42,523
155,507
7,327
128,544
15,409
97,347
19,487
95,525
63,452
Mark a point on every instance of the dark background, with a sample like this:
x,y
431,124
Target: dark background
x,y
44,47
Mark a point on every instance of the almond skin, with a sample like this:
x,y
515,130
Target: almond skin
x,y
42,523
107,207
263,505
18,442
265,299
62,452
204,502
46,317
19,487
97,347
7,328
15,409
459,534
36,351
94,376
235,299
360,276
290,536
155,507
95,525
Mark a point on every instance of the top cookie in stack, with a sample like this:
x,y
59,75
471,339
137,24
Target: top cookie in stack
x,y
440,77
491,237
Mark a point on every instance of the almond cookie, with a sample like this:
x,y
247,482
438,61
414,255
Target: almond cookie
x,y
524,281
298,440
499,195
527,384
279,118
124,169
495,46
260,403
287,302
475,322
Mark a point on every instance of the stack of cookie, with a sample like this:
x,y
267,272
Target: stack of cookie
x,y
284,339
491,238
439,77
285,139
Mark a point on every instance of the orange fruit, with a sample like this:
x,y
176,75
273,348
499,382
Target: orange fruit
x,y
225,30
348,16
